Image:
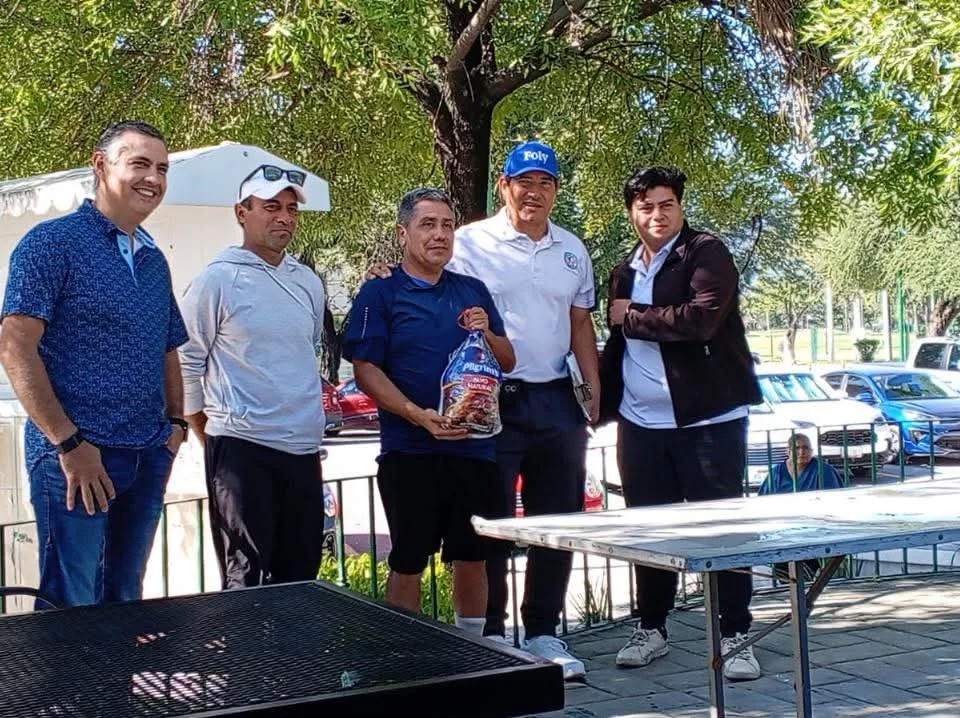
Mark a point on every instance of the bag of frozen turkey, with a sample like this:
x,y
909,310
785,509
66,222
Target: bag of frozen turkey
x,y
470,388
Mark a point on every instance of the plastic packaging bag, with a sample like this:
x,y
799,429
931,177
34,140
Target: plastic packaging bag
x,y
470,388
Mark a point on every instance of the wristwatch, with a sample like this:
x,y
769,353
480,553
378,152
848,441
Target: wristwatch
x,y
70,443
182,423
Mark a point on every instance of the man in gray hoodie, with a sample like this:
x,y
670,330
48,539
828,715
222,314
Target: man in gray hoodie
x,y
252,390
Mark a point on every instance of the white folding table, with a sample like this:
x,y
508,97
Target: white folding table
x,y
713,536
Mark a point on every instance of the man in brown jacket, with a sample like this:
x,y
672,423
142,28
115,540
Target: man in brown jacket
x,y
678,377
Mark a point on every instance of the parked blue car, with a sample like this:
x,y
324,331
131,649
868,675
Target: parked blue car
x,y
918,402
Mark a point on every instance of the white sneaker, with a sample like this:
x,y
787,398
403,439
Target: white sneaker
x,y
502,640
743,665
643,646
555,650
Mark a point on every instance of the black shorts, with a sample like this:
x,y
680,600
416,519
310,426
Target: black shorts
x,y
428,500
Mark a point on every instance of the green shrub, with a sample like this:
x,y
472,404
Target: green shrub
x,y
867,348
592,608
359,574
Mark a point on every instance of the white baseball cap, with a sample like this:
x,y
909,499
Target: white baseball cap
x,y
267,181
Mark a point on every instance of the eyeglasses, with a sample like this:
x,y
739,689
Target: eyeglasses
x,y
272,173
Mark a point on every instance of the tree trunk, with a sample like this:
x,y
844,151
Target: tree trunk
x,y
465,112
463,144
332,347
885,324
790,340
332,339
460,109
944,312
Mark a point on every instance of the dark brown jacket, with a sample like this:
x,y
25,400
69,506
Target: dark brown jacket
x,y
695,317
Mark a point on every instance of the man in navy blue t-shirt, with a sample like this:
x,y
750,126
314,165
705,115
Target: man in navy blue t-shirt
x,y
432,477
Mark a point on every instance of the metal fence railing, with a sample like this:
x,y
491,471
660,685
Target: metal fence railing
x,y
601,590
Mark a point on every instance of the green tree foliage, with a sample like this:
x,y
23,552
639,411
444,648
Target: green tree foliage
x,y
786,285
856,254
790,291
867,252
889,128
381,95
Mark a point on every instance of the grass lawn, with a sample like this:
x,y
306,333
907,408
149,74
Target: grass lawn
x,y
767,345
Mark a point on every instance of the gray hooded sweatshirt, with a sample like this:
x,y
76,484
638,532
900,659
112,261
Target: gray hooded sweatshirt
x,y
250,364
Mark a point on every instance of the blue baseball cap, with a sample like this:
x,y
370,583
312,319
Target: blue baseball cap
x,y
531,157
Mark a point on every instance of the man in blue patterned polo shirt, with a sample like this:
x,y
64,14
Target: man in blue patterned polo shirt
x,y
89,340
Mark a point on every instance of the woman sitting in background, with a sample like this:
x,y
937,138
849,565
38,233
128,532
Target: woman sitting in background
x,y
801,471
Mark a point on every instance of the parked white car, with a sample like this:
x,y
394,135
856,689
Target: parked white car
x,y
850,434
938,356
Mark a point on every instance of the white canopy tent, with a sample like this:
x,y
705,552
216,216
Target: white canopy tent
x,y
192,225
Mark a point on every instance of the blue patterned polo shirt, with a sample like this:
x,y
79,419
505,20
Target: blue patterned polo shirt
x,y
109,325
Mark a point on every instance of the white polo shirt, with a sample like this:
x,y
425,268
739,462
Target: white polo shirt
x,y
646,394
534,285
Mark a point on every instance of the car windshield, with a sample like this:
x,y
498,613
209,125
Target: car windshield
x,y
913,386
763,408
778,388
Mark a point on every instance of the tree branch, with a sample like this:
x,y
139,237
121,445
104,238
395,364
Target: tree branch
x,y
757,225
16,6
470,35
508,81
563,10
423,90
537,63
664,82
535,66
591,41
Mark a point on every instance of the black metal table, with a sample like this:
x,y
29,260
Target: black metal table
x,y
305,649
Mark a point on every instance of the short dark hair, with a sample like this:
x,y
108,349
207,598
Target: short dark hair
x,y
646,178
411,199
113,132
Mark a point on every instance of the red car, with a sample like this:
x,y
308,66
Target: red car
x,y
592,495
359,410
331,408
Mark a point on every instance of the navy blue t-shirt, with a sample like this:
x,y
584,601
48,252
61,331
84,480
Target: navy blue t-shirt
x,y
409,330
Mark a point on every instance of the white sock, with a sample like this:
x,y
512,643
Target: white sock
x,y
470,625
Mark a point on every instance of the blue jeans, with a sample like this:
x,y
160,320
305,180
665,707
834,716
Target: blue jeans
x,y
101,558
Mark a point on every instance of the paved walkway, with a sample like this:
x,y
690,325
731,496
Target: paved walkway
x,y
888,648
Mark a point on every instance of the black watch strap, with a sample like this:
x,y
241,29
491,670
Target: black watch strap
x,y
178,421
69,444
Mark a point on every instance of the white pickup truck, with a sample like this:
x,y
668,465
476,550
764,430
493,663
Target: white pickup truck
x,y
939,356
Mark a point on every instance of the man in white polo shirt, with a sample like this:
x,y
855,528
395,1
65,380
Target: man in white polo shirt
x,y
678,378
541,279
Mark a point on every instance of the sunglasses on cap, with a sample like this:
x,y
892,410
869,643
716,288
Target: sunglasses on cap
x,y
272,173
